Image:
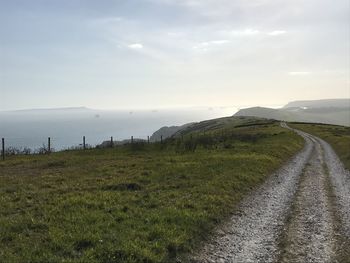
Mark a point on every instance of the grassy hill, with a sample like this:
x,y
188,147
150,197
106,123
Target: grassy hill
x,y
335,112
137,202
208,125
326,103
166,132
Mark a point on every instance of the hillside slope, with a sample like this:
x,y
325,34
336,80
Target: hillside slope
x,y
167,132
327,111
137,202
339,103
208,125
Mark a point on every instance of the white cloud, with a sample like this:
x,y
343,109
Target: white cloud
x,y
205,46
240,33
277,32
249,32
252,32
135,46
176,34
214,42
219,42
299,73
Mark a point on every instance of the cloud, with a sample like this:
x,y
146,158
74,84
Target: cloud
x,y
252,32
239,33
214,42
135,46
277,32
299,73
249,32
246,32
205,46
219,42
219,9
175,34
106,20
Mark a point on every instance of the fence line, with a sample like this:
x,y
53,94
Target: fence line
x,y
49,149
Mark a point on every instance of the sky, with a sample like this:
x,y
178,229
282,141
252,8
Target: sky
x,y
114,54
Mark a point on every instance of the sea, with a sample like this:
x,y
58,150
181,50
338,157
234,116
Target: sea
x,y
66,127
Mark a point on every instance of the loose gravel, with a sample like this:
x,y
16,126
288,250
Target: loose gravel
x,y
291,210
310,233
340,178
252,232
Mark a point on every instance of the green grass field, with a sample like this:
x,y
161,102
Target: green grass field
x,y
134,203
337,136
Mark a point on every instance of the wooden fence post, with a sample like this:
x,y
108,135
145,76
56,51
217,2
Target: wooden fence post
x,y
3,149
111,141
84,145
147,139
161,138
48,145
132,139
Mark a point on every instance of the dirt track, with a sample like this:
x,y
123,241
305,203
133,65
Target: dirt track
x,y
300,214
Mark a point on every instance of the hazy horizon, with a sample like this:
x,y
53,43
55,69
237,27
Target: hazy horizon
x,y
151,109
66,127
177,107
172,53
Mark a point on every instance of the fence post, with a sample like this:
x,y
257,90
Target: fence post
x,y
84,145
111,141
3,149
147,139
132,139
161,138
49,145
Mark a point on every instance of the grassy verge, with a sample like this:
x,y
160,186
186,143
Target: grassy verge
x,y
342,247
136,203
337,136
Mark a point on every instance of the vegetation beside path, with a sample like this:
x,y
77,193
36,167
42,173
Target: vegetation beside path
x,y
138,202
337,136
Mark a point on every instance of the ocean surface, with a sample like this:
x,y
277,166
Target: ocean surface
x,y
66,127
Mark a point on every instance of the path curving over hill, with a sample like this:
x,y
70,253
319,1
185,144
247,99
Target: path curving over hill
x,y
300,214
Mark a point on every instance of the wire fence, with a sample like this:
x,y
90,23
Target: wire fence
x,y
8,149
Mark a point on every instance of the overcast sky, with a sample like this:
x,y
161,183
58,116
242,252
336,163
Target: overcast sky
x,y
114,54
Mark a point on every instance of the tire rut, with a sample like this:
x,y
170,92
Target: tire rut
x,y
340,188
310,234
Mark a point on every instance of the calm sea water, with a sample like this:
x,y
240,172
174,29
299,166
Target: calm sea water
x,y
67,127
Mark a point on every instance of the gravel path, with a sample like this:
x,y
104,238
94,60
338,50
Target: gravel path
x,y
253,231
310,232
341,182
291,210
